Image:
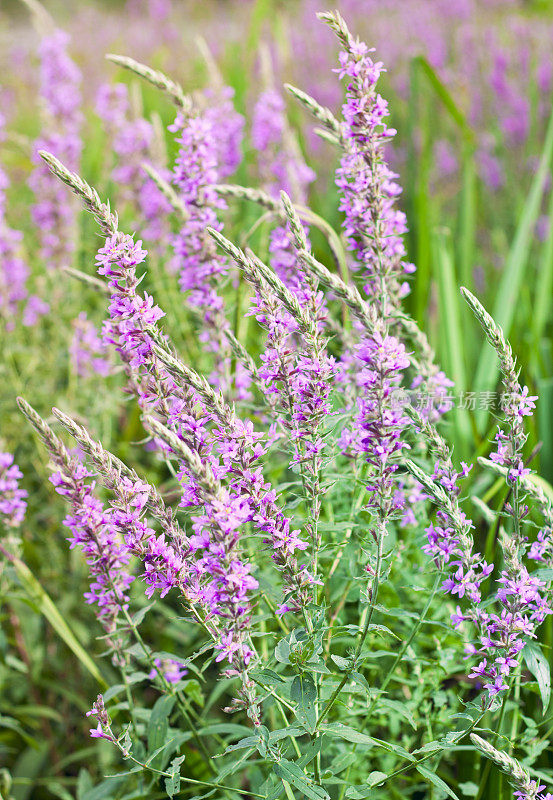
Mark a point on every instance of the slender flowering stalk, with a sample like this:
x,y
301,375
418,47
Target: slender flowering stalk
x,y
373,226
519,777
15,302
522,596
13,503
380,358
373,229
54,217
133,320
92,530
198,167
132,138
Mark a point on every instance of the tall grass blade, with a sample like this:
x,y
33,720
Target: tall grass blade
x,y
544,283
467,217
445,96
46,606
513,274
450,325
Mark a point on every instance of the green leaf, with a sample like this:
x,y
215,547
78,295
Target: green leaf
x,y
376,777
158,727
107,788
539,667
341,663
382,630
445,742
139,615
268,676
469,789
304,693
543,283
193,690
290,772
438,782
467,216
309,752
359,792
17,727
366,790
282,651
84,783
172,784
59,791
394,748
46,606
362,681
400,708
347,733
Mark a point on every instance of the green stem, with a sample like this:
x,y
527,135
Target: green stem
x,y
186,779
361,642
169,688
488,765
404,648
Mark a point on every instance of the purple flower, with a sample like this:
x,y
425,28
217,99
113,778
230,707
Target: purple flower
x,y
173,671
204,140
93,531
87,350
53,213
14,272
13,504
132,140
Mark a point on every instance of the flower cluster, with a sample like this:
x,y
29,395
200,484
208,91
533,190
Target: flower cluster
x,y
377,429
12,499
173,671
87,350
502,636
218,579
162,555
373,229
92,530
103,729
373,226
14,272
517,405
132,139
198,168
54,216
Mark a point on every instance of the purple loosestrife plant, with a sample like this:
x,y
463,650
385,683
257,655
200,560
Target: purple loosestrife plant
x,y
13,503
205,155
14,273
132,138
276,550
107,558
53,215
523,598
